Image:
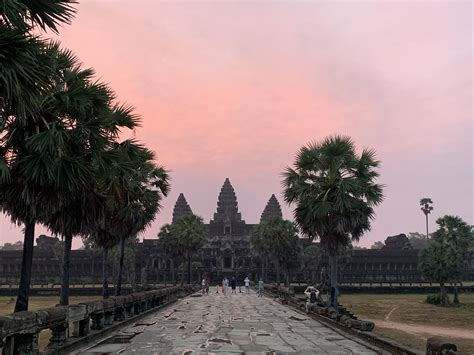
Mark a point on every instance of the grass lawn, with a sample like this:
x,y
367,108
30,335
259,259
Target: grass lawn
x,y
40,302
410,321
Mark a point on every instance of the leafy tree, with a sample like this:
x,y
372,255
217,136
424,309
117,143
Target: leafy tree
x,y
277,239
18,245
260,240
335,193
170,247
377,245
184,237
442,260
426,206
310,258
417,240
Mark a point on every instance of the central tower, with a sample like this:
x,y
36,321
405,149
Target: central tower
x,y
227,219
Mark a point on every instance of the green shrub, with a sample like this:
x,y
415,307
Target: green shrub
x,y
433,299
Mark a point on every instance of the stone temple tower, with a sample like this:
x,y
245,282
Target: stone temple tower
x,y
227,219
272,209
181,208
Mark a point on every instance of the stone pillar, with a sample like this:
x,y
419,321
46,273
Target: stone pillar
x,y
97,320
58,336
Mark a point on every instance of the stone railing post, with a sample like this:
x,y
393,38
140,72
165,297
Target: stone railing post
x,y
78,316
19,333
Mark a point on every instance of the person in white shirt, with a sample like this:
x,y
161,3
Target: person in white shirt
x,y
312,295
247,285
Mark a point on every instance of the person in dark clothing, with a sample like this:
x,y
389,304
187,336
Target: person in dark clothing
x,y
233,284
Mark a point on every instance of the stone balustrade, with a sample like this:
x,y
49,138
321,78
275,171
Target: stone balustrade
x,y
19,332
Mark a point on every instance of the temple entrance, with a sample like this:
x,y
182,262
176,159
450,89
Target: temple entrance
x,y
227,262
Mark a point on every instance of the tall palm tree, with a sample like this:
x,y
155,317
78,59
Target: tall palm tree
x,y
95,131
335,193
426,206
142,192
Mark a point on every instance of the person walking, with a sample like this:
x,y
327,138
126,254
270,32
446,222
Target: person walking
x,y
247,284
203,285
233,284
260,288
207,286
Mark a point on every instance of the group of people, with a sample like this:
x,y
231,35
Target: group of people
x,y
232,284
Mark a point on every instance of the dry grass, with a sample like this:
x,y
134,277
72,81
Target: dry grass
x,y
40,302
423,318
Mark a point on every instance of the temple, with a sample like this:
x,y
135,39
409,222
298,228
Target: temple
x,y
228,252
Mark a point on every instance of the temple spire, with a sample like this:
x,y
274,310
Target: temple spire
x,y
272,209
227,207
181,208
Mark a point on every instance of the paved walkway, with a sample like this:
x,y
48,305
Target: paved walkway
x,y
233,324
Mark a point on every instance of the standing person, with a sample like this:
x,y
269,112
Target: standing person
x,y
226,284
260,288
203,285
247,285
207,286
224,280
233,284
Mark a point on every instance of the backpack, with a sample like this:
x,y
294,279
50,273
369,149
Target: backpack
x,y
312,297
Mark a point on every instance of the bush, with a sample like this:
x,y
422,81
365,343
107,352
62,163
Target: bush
x,y
433,299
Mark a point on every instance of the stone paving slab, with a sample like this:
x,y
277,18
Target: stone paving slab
x,y
232,324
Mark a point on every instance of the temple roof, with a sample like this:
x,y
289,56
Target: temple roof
x,y
181,208
227,208
272,209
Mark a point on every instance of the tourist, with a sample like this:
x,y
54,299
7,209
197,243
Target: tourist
x,y
312,299
233,284
260,288
226,284
247,285
224,281
203,285
207,286
308,290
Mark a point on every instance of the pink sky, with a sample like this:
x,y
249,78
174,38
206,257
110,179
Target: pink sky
x,y
234,89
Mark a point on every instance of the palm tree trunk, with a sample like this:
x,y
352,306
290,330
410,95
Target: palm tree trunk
x,y
265,275
173,273
426,226
443,294
26,263
105,283
333,278
118,289
64,296
456,293
278,272
189,270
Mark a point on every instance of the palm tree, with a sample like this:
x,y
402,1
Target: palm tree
x,y
184,237
95,131
426,207
41,165
25,62
142,192
335,193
